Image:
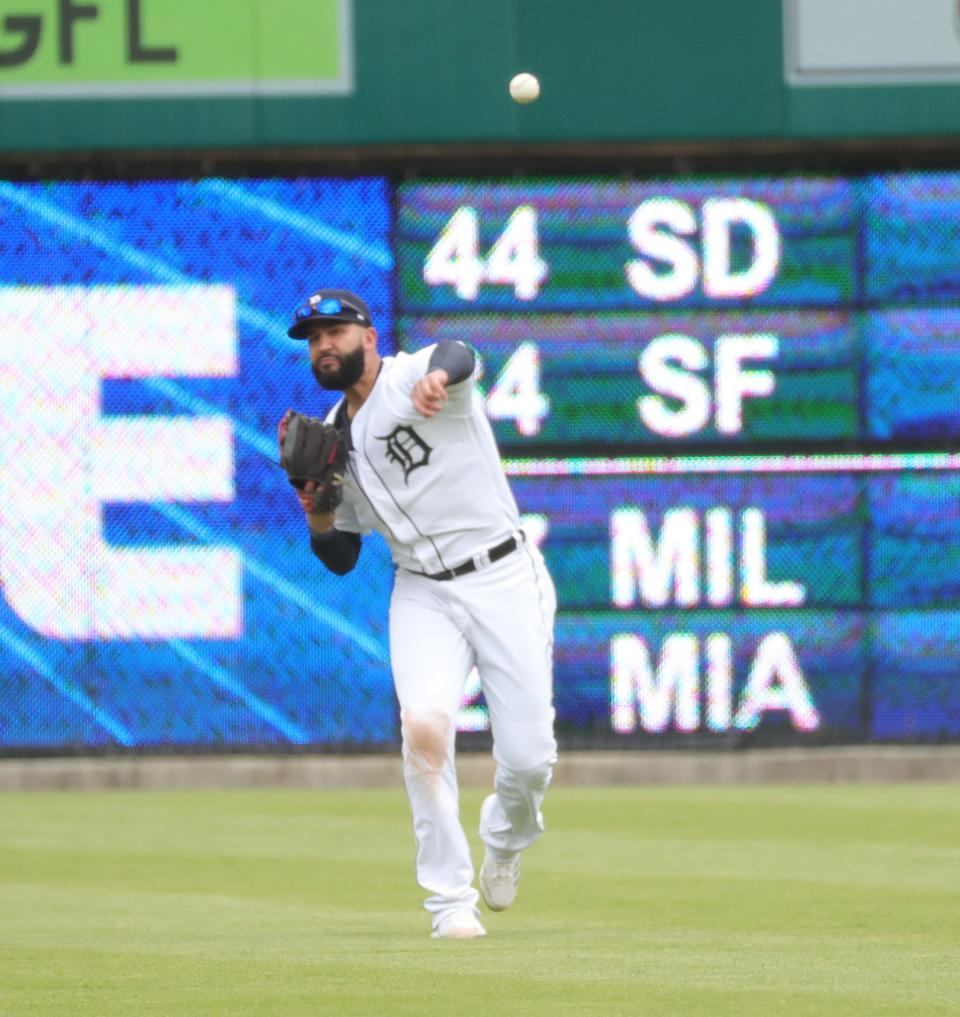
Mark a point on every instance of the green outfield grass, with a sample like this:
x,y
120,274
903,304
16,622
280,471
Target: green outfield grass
x,y
716,902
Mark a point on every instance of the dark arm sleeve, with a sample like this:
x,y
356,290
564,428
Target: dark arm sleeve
x,y
337,549
457,359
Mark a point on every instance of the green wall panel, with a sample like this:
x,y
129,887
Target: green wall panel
x,y
426,70
879,111
643,70
435,71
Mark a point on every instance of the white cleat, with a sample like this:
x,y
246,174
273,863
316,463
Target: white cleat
x,y
499,881
459,925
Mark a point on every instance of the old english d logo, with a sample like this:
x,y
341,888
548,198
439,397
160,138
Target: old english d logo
x,y
406,448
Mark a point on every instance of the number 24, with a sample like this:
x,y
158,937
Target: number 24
x,y
516,394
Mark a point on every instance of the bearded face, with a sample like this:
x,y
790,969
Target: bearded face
x,y
338,370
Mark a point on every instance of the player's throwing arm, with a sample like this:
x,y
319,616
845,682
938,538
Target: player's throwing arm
x,y
430,393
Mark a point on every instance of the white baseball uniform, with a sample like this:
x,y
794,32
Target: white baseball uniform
x,y
435,489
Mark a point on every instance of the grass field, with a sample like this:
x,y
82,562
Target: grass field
x,y
642,901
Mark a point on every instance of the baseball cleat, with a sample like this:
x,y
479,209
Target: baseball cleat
x,y
499,881
459,925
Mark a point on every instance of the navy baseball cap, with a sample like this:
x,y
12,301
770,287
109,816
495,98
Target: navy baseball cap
x,y
329,305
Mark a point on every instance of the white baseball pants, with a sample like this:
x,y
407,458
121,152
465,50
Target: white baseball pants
x,y
500,619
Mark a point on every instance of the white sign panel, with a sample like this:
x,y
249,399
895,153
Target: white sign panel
x,y
871,42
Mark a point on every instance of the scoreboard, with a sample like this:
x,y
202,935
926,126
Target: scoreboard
x,y
729,409
656,314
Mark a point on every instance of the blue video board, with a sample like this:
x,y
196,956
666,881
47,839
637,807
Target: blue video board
x,y
728,408
717,601
158,587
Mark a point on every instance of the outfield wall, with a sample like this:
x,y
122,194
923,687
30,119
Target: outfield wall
x,y
727,407
255,74
846,764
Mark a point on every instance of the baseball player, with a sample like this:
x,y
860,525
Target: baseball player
x,y
470,590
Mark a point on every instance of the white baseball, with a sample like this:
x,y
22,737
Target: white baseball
x,y
524,88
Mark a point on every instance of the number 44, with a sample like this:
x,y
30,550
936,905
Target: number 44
x,y
514,260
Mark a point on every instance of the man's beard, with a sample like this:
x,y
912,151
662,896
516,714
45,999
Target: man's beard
x,y
348,373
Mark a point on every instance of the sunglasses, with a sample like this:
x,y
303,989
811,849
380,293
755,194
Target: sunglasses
x,y
325,307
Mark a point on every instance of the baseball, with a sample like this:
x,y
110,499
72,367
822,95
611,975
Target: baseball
x,y
524,88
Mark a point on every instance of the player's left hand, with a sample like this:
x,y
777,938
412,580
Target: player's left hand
x,y
430,393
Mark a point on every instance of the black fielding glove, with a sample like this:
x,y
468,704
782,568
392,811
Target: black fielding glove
x,y
314,450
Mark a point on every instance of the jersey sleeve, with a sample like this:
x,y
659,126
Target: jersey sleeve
x,y
337,549
409,370
456,358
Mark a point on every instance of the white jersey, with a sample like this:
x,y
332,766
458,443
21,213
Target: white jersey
x,y
432,486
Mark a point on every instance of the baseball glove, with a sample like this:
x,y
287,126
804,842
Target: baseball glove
x,y
314,450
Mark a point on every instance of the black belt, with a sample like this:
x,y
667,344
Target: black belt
x,y
479,560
